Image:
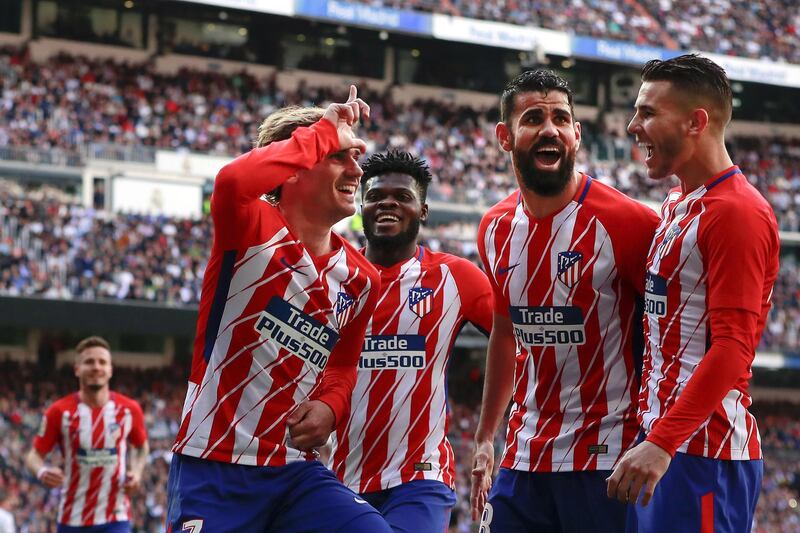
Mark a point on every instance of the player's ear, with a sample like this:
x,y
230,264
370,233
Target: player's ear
x,y
503,136
423,213
698,121
578,133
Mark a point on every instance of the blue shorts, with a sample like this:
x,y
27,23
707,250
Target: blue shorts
x,y
110,527
418,506
551,502
703,495
214,497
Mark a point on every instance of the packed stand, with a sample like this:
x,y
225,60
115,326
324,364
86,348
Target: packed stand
x,y
767,30
73,105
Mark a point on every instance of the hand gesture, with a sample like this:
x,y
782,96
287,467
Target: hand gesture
x,y
344,117
641,466
482,468
310,425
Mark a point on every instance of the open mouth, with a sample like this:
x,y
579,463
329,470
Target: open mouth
x,y
648,150
547,156
387,219
349,190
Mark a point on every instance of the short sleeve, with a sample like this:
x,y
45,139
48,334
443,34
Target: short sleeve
x,y
500,304
476,296
637,237
49,430
138,434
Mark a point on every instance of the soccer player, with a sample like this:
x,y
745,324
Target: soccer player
x,y
393,449
710,272
565,255
92,427
282,317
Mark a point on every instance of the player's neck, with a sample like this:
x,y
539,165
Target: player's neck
x,y
708,161
543,206
95,398
314,236
387,256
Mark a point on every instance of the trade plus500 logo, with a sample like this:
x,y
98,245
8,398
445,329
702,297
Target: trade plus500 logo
x,y
294,330
548,326
392,352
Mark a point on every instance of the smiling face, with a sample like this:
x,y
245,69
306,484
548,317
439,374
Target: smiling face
x,y
326,192
93,368
543,140
661,125
392,210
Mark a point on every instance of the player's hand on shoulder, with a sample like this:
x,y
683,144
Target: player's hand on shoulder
x,y
310,425
640,468
482,468
344,117
52,476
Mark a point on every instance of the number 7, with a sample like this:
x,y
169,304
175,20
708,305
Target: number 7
x,y
193,526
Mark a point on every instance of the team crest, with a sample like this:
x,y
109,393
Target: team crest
x,y
420,300
344,308
113,430
669,239
569,268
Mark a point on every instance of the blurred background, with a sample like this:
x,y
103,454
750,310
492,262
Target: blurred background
x,y
115,116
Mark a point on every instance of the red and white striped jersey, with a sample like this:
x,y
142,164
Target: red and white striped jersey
x,y
277,326
398,422
569,283
706,255
94,443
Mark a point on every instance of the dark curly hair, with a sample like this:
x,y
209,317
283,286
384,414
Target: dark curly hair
x,y
400,163
538,80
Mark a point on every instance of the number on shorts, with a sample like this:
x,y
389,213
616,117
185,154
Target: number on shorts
x,y
193,526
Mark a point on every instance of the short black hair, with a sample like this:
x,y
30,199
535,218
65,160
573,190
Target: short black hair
x,y
697,76
396,161
539,80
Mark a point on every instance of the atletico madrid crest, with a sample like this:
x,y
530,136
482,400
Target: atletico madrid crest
x,y
420,300
569,267
344,308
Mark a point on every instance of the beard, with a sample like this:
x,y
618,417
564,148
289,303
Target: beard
x,y
384,242
544,182
94,387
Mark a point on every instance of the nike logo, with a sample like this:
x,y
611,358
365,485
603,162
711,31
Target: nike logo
x,y
292,267
359,500
504,270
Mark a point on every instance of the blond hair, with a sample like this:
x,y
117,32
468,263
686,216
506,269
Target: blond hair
x,y
279,126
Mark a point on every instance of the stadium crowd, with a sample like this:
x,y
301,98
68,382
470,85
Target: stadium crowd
x,y
65,104
732,27
26,389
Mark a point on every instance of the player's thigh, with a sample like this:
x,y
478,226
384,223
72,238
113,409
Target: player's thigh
x,y
420,506
518,503
317,502
583,504
112,527
736,496
699,494
210,496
